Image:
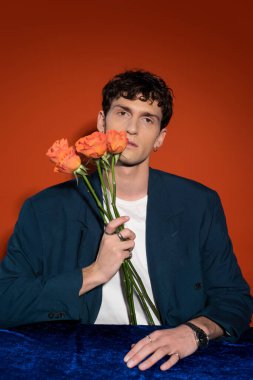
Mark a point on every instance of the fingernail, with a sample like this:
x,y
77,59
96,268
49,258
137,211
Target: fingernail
x,y
130,364
126,358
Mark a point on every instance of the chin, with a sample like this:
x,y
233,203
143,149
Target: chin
x,y
128,162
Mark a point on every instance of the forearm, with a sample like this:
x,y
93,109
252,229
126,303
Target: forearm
x,y
91,279
228,301
27,299
112,252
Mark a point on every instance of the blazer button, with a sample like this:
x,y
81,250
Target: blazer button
x,y
198,285
60,314
56,315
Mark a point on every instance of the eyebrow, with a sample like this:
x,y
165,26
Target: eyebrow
x,y
142,114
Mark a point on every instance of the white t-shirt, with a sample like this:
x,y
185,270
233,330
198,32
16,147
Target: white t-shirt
x,y
113,308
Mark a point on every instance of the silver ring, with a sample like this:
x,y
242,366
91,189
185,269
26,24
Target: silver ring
x,y
177,354
149,339
107,233
120,236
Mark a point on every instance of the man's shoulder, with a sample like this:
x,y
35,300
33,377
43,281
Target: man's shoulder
x,y
65,196
179,182
52,202
61,198
180,190
56,192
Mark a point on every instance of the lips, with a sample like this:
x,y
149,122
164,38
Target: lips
x,y
131,143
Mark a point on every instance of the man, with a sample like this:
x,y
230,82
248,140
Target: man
x,y
61,263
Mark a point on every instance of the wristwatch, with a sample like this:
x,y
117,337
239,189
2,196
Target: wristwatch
x,y
200,335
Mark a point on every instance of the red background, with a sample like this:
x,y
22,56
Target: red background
x,y
57,55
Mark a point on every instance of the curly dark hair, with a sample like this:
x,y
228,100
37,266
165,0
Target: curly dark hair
x,y
132,83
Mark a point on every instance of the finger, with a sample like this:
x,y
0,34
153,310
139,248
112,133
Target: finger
x,y
141,354
137,347
115,223
130,255
127,255
126,247
157,355
126,233
174,359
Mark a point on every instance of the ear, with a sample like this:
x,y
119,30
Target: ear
x,y
101,122
160,139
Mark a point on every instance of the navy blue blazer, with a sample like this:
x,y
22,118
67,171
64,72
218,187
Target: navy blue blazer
x,y
191,264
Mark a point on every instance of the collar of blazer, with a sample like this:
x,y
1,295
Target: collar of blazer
x,y
162,202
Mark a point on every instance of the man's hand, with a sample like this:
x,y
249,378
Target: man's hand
x,y
112,252
178,343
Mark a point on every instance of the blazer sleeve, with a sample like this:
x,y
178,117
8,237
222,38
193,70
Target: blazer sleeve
x,y
27,295
228,296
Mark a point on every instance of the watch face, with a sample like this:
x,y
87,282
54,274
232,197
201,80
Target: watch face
x,y
203,339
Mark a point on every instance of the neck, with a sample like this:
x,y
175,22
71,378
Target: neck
x,y
132,182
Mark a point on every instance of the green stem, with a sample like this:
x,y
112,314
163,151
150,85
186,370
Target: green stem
x,y
144,306
128,284
104,190
102,211
144,292
107,179
113,193
130,267
129,293
113,181
116,213
142,300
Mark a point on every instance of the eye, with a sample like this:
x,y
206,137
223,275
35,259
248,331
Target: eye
x,y
121,113
148,120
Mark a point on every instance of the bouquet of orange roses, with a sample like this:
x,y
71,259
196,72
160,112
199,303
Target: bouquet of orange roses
x,y
103,150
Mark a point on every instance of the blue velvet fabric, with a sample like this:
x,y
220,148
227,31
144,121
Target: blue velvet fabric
x,y
70,350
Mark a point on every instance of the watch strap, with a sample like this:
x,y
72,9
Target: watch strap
x,y
201,337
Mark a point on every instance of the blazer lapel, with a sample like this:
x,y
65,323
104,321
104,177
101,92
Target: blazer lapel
x,y
164,216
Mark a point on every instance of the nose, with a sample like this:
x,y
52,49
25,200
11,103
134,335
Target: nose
x,y
132,127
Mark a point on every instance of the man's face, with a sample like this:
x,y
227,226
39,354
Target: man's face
x,y
141,121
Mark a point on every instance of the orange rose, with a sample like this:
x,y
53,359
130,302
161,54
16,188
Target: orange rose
x,y
68,162
57,150
93,145
116,141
